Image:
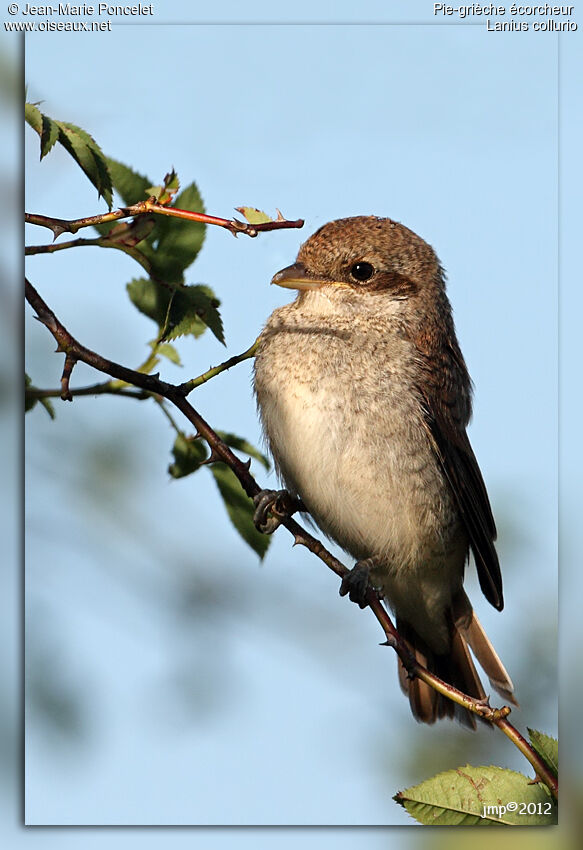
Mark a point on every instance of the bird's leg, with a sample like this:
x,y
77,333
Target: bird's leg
x,y
357,582
271,507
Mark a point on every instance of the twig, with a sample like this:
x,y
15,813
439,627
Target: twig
x,y
31,250
105,388
98,241
167,414
221,452
121,388
188,386
61,225
70,361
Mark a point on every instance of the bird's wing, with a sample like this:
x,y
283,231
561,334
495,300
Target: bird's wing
x,y
459,464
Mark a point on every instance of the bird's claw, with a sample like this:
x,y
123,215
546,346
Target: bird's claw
x,y
271,507
356,582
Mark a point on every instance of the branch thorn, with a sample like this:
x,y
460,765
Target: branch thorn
x,y
214,457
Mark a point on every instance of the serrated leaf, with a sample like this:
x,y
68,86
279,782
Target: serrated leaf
x,y
49,135
160,195
190,306
242,445
47,129
188,454
163,194
181,318
33,117
253,215
89,156
463,797
240,508
130,186
171,182
150,298
79,144
179,241
547,748
166,350
178,312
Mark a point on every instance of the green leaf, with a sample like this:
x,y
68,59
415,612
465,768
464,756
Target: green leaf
x,y
166,350
242,445
188,454
253,215
240,508
130,186
547,748
163,194
49,135
30,402
171,182
47,129
178,311
81,146
190,306
462,797
89,156
179,241
150,298
34,117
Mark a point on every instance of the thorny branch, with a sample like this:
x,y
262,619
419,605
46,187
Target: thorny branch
x,y
122,388
99,241
150,385
61,225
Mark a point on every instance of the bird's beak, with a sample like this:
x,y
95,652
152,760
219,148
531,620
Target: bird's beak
x,y
297,277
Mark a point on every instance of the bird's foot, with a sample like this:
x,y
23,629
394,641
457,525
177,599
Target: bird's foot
x,y
273,506
356,582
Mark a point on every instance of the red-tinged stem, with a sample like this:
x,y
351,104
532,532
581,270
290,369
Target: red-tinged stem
x,y
61,225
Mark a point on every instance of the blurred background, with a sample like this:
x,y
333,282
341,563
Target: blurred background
x,y
171,679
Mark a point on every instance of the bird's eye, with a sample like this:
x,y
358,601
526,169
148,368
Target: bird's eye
x,y
362,271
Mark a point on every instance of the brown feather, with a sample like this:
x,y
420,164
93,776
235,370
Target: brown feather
x,y
488,659
455,668
447,412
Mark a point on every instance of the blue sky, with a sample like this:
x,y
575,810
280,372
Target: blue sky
x,y
451,130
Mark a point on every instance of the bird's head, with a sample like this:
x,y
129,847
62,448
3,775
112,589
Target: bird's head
x,y
363,254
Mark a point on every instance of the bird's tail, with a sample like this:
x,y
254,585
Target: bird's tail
x,y
457,668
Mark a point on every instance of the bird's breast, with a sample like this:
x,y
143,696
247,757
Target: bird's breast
x,y
343,420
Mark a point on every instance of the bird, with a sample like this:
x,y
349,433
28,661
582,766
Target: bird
x,y
364,398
